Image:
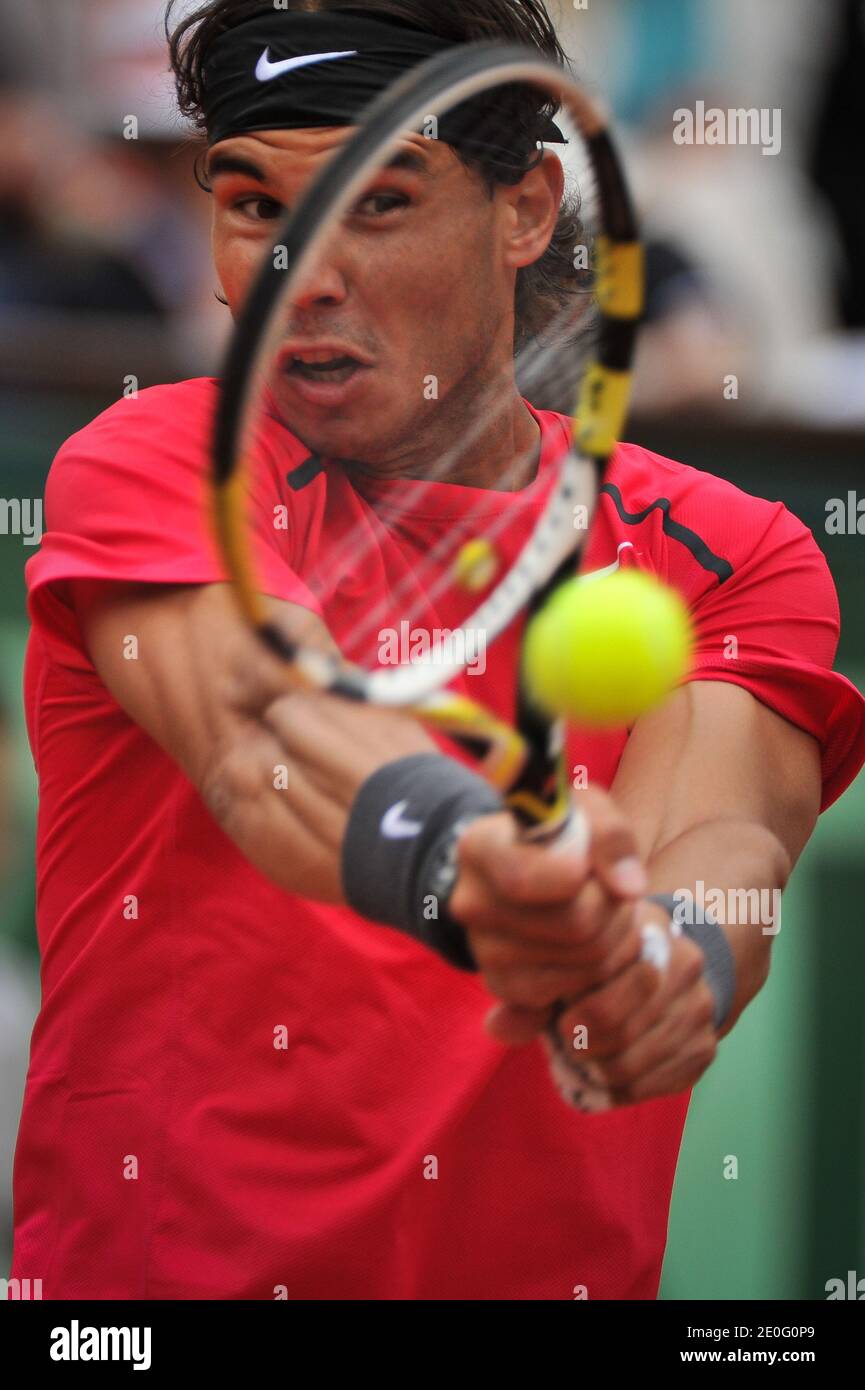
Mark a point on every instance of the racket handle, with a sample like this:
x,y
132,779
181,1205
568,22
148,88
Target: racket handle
x,y
580,1084
583,1084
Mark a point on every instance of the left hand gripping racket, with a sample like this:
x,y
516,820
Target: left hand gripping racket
x,y
525,762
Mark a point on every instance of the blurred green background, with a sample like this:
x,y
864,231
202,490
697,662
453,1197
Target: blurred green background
x,y
786,1095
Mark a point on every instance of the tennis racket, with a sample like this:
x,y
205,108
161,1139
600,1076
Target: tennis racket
x,y
475,567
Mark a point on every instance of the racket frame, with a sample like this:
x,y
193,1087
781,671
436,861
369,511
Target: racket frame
x,y
526,763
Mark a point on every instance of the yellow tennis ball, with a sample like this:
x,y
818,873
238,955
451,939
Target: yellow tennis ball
x,y
605,650
476,565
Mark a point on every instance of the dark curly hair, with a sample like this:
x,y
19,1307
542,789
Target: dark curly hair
x,y
543,290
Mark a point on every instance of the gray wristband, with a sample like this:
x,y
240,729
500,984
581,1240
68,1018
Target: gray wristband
x,y
399,848
719,966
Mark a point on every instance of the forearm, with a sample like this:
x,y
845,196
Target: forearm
x,y
278,768
284,784
736,871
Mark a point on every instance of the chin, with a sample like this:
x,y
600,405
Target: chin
x,y
362,433
343,440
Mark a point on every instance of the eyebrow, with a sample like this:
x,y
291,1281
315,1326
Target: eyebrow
x,y
409,160
234,164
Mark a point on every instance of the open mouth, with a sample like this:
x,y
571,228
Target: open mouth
x,y
335,370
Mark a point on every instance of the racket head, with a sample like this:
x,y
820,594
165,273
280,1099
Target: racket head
x,y
605,311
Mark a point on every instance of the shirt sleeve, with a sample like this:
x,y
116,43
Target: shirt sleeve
x,y
127,500
772,627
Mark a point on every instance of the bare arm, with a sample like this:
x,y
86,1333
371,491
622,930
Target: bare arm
x,y
719,789
277,768
714,787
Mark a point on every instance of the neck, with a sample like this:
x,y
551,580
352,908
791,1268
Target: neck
x,y
498,449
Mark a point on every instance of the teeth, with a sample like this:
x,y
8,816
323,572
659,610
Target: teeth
x,y
334,369
318,356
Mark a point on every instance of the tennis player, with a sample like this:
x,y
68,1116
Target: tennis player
x,y
256,1073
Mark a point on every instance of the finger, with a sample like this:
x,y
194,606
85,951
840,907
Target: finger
x,y
531,987
515,1026
571,936
677,1073
614,853
608,1020
524,974
518,975
680,1040
639,999
519,871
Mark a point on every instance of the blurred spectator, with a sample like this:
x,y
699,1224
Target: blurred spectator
x,y
51,253
756,301
838,157
742,256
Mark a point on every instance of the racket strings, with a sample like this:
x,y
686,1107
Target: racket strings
x,y
538,361
550,362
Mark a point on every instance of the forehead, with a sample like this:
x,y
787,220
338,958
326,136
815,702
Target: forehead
x,y
292,155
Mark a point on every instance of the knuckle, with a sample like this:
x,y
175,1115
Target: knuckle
x,y
617,956
494,954
496,983
704,1054
605,1017
588,910
542,987
467,901
512,985
614,840
704,1007
649,980
620,1073
470,845
512,877
482,838
691,960
228,783
629,1031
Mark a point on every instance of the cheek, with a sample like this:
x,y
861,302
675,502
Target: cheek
x,y
235,260
439,282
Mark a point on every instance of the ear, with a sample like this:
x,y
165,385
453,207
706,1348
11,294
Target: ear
x,y
532,208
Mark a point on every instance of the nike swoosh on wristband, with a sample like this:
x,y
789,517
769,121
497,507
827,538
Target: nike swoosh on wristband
x,y
395,827
266,71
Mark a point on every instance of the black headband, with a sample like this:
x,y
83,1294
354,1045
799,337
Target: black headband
x,y
270,73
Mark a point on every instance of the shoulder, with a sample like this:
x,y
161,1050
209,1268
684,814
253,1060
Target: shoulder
x,y
701,522
641,482
693,527
648,481
713,541
142,451
175,414
134,462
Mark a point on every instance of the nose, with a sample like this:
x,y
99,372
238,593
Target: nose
x,y
320,284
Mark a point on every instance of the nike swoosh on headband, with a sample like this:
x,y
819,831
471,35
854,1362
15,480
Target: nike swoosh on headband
x,y
266,70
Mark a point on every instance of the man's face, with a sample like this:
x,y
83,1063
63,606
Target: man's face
x,y
416,283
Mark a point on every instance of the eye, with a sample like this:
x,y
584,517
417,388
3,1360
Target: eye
x,y
259,208
379,204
